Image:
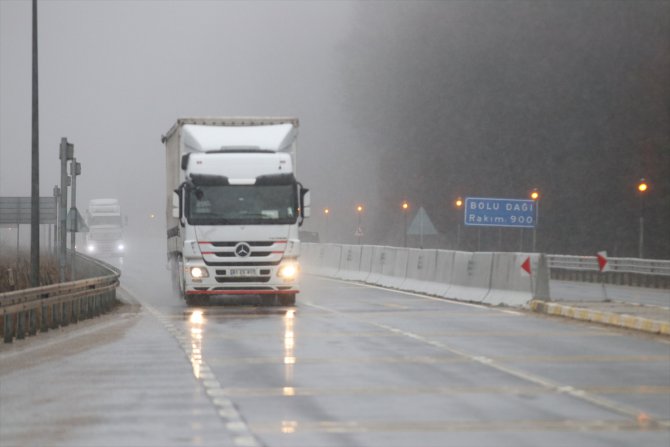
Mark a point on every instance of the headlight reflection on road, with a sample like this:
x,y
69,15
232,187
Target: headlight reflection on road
x,y
197,320
289,346
289,426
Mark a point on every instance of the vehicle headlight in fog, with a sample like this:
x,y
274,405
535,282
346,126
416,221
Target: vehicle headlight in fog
x,y
199,272
120,247
288,270
90,248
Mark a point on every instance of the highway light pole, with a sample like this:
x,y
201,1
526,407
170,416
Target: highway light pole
x,y
35,169
535,195
642,188
359,230
405,210
326,213
459,205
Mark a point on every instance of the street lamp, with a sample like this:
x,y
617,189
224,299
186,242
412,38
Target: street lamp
x,y
535,195
405,210
326,213
642,188
359,230
459,204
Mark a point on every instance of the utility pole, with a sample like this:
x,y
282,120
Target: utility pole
x,y
35,170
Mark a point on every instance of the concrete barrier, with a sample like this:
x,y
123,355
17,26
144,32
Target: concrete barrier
x,y
330,260
350,264
444,272
491,278
382,267
510,283
397,268
420,270
309,257
365,265
377,262
471,276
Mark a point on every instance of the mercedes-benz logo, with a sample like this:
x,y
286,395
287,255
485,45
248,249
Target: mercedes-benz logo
x,y
242,249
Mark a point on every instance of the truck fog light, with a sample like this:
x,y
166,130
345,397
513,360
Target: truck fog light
x,y
288,271
198,272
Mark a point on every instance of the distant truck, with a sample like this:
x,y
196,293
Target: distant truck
x,y
105,228
234,207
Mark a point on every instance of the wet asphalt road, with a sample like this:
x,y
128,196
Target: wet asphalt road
x,y
350,365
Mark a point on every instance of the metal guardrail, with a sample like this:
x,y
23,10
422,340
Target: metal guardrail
x,y
48,307
623,271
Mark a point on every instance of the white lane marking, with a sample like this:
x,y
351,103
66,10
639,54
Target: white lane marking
x,y
234,422
546,383
511,312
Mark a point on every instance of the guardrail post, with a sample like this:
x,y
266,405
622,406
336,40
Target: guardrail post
x,y
55,321
75,310
64,316
21,326
44,320
9,328
32,322
105,301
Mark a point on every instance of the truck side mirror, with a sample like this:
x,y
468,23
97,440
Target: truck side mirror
x,y
175,205
306,203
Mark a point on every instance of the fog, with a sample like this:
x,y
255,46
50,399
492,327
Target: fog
x,y
396,100
114,76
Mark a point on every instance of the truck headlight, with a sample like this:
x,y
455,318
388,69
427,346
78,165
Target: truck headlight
x,y
90,248
288,271
120,247
199,272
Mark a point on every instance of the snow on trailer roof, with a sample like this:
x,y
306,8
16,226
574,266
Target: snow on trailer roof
x,y
202,138
271,133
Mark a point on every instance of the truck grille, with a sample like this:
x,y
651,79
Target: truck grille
x,y
260,253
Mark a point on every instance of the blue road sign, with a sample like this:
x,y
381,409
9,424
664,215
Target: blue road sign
x,y
485,212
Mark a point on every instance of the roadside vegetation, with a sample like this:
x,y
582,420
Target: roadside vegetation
x,y
15,272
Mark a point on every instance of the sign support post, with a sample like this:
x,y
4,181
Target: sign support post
x,y
66,153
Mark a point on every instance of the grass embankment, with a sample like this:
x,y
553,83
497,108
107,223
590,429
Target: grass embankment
x,y
21,269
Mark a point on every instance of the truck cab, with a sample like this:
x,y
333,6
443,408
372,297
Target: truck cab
x,y
105,228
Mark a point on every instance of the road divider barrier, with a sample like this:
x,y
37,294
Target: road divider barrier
x,y
512,279
497,278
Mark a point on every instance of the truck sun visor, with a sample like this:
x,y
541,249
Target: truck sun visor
x,y
276,179
209,180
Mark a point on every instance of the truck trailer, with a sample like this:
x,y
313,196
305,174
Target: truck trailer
x,y
233,208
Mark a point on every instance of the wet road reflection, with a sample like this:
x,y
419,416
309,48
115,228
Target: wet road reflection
x,y
289,348
196,322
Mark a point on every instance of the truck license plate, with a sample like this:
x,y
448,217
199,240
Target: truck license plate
x,y
242,272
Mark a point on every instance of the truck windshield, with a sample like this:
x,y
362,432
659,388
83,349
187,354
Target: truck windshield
x,y
253,204
104,220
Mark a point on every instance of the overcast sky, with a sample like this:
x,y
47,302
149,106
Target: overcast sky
x,y
115,75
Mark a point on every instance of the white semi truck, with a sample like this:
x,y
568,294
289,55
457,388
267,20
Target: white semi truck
x,y
233,208
105,228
